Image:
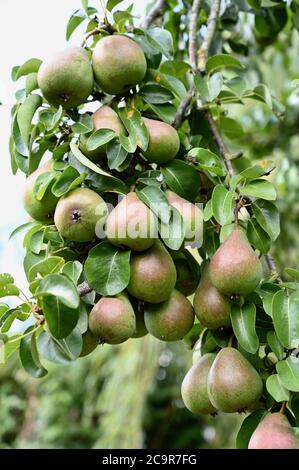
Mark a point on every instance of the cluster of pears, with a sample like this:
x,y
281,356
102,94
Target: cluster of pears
x,y
117,65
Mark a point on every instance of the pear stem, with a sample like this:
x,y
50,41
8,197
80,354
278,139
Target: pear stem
x,y
230,341
283,407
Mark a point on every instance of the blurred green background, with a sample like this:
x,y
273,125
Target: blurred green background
x,y
129,396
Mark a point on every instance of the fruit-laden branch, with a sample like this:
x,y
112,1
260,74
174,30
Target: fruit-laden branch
x,y
156,11
203,51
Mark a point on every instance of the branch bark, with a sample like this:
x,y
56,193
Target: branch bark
x,y
203,51
193,32
84,289
156,11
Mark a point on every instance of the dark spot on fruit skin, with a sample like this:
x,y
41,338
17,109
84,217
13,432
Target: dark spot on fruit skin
x,y
76,214
65,97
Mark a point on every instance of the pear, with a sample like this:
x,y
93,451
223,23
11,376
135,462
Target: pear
x,y
89,343
104,118
80,215
195,388
164,142
274,432
235,268
192,216
112,319
153,274
67,78
170,320
233,383
118,63
131,224
211,307
42,210
186,279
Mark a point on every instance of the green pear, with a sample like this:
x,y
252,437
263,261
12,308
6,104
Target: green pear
x,y
67,78
233,383
80,215
89,343
186,281
153,274
104,118
235,268
112,319
42,210
164,142
195,386
274,432
170,320
118,63
131,224
211,307
192,216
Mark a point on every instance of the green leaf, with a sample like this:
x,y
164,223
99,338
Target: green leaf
x,y
60,351
173,232
161,40
84,125
237,85
30,66
257,236
52,264
165,112
24,118
171,83
221,61
99,138
73,270
5,279
275,345
42,183
86,162
29,356
50,119
75,20
243,323
260,189
182,178
230,127
248,427
294,273
202,87
155,94
263,92
288,373
31,82
276,390
215,84
267,216
60,286
69,179
61,320
116,154
112,3
222,204
207,161
107,269
9,290
157,202
285,318
208,212
137,130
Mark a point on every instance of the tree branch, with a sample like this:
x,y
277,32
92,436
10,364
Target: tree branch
x,y
193,32
203,51
156,11
84,289
182,108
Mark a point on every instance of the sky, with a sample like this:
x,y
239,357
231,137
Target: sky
x,y
28,28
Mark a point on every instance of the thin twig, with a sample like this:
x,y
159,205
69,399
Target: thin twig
x,y
193,32
182,108
203,51
156,11
219,142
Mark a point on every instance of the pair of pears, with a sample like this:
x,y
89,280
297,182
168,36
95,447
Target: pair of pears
x,y
164,142
225,381
67,79
235,269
